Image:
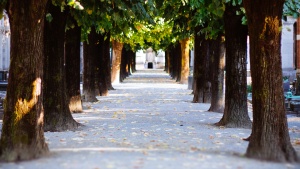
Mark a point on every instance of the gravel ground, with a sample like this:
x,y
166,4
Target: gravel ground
x,y
149,122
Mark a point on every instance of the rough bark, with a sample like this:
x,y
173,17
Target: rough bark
x,y
175,61
72,55
217,80
207,74
236,109
100,62
89,52
202,85
116,61
184,44
270,138
197,68
58,116
107,61
22,136
100,88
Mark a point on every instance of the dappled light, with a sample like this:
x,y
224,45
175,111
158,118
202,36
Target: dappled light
x,y
23,106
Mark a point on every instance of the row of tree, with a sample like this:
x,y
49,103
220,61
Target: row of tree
x,y
44,84
221,25
44,81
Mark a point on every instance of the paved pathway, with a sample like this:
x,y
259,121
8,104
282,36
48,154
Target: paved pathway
x,y
149,122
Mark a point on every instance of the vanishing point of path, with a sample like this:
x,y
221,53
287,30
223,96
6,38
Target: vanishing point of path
x,y
149,122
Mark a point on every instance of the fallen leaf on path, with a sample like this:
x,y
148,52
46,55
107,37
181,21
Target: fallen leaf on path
x,y
195,149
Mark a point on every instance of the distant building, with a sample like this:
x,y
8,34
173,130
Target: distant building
x,y
143,57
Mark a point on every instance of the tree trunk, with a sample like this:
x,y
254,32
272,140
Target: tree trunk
x,y
123,65
177,57
22,136
202,85
131,55
184,60
198,95
133,65
116,61
171,60
236,109
217,80
123,68
128,62
167,61
100,61
175,61
57,113
207,74
89,52
270,138
72,48
106,61
101,88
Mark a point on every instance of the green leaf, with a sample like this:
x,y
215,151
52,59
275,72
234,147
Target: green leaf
x,y
71,2
49,17
78,6
244,20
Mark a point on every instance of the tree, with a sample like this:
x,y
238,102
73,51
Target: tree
x,y
104,70
124,69
270,137
178,18
236,108
200,75
89,56
109,19
174,61
185,71
126,62
72,55
58,116
22,136
106,60
124,18
217,71
207,22
116,61
177,61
